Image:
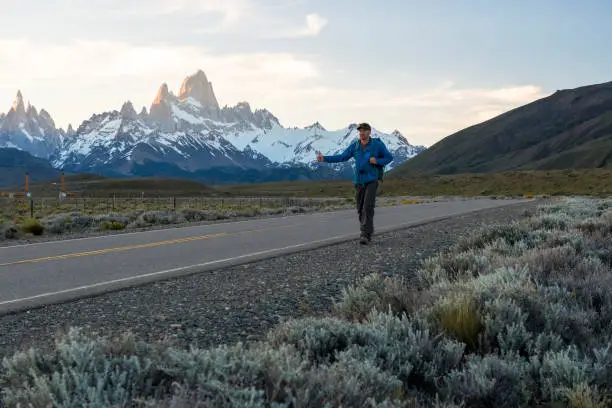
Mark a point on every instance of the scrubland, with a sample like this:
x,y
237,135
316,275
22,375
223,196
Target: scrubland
x,y
513,315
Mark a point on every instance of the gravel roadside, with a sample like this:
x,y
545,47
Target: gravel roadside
x,y
241,303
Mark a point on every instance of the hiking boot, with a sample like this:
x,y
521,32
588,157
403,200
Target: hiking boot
x,y
364,240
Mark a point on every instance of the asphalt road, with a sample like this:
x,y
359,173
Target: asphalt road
x,y
37,274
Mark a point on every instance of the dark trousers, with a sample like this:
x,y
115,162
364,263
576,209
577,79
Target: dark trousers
x,y
365,198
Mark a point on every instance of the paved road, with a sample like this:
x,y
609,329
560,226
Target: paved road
x,y
37,274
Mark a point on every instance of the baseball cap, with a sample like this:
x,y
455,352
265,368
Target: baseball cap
x,y
364,126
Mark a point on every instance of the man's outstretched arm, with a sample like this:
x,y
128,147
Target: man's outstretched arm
x,y
342,157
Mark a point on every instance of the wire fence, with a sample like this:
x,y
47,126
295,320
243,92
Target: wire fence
x,y
20,208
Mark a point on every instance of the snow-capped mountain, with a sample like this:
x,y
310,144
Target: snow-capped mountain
x,y
25,128
187,133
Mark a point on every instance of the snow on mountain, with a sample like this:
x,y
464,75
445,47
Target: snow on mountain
x,y
188,131
299,146
192,132
24,128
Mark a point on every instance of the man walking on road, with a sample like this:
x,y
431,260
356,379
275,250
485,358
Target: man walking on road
x,y
371,155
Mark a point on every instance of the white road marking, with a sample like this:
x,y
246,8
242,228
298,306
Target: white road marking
x,y
168,271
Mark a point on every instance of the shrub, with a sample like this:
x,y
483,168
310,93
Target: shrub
x,y
192,215
33,226
8,231
488,381
514,315
376,292
75,222
479,238
85,371
454,266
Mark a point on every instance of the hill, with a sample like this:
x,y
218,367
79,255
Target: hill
x,y
571,128
14,163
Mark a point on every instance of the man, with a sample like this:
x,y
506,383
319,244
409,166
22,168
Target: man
x,y
371,155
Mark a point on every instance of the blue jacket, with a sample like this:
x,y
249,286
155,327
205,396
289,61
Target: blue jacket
x,y
364,170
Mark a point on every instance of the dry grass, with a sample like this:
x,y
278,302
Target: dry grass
x,y
518,183
460,318
32,226
583,396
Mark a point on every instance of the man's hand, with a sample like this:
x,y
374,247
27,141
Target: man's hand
x,y
373,160
320,158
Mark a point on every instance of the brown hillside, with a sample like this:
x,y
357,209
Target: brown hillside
x,y
568,129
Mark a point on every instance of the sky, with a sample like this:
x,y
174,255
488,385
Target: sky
x,y
427,68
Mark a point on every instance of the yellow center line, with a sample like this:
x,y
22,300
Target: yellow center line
x,y
117,249
132,247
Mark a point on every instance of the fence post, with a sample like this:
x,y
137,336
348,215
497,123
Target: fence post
x,y
31,208
174,203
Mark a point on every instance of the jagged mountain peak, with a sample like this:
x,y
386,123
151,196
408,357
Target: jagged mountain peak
x,y
128,111
198,87
162,94
243,105
26,129
316,126
161,111
46,116
398,134
18,105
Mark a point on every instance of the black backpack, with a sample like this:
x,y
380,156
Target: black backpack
x,y
381,171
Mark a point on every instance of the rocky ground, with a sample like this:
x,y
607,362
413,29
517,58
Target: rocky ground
x,y
242,303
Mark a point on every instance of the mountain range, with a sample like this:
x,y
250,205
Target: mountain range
x,y
569,129
187,135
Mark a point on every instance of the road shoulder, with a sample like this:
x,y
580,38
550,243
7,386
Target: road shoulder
x,y
241,303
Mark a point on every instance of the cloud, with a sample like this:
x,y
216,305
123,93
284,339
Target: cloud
x,y
314,25
232,12
74,80
274,28
423,115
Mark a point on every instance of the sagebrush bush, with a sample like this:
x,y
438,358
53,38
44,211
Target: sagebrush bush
x,y
376,292
79,222
479,238
523,293
8,231
76,222
511,316
84,371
